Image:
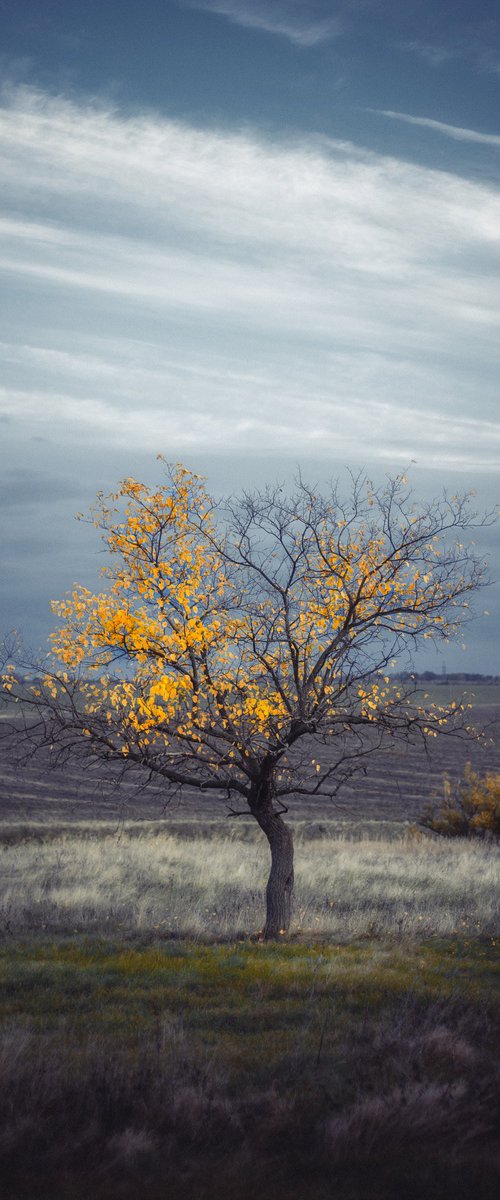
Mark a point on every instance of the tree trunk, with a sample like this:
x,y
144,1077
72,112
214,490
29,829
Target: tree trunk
x,y
280,883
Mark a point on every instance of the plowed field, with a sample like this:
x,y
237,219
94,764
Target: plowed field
x,y
399,781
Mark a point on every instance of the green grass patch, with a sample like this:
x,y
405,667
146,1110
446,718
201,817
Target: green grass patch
x,y
101,986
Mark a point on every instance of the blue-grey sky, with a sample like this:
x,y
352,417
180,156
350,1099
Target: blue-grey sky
x,y
247,234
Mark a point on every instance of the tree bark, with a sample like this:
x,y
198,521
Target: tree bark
x,y
280,883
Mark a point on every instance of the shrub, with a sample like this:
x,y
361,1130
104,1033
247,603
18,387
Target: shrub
x,y
470,808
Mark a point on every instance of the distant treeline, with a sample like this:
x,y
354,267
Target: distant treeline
x,y
401,676
446,677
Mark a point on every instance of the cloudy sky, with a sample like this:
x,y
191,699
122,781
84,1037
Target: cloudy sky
x,y
247,234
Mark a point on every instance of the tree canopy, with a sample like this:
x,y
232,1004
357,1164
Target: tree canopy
x,y
244,648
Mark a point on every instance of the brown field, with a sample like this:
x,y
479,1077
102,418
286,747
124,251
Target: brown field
x,y
398,783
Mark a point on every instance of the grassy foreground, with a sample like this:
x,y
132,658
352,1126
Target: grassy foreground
x,y
172,886
294,1072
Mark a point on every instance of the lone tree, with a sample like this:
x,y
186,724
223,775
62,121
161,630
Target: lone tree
x,y
241,649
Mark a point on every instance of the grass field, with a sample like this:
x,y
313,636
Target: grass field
x,y
173,886
292,1072
479,693
151,1047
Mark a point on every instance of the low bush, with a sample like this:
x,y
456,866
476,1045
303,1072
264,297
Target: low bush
x,y
470,808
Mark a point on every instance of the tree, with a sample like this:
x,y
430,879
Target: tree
x,y
242,649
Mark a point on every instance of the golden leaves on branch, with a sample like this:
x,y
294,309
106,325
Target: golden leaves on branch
x,y
182,642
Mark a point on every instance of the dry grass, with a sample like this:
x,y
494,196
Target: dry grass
x,y
166,885
357,1061
400,1097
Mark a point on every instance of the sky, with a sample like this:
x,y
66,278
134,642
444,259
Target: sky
x,y
249,235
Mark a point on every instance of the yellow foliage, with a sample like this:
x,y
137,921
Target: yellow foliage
x,y
182,645
468,808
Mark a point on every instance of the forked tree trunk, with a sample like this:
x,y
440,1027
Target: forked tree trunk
x,y
280,883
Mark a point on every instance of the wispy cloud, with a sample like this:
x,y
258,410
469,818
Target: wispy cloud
x,y
456,132
193,290
433,55
473,42
441,441
287,19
